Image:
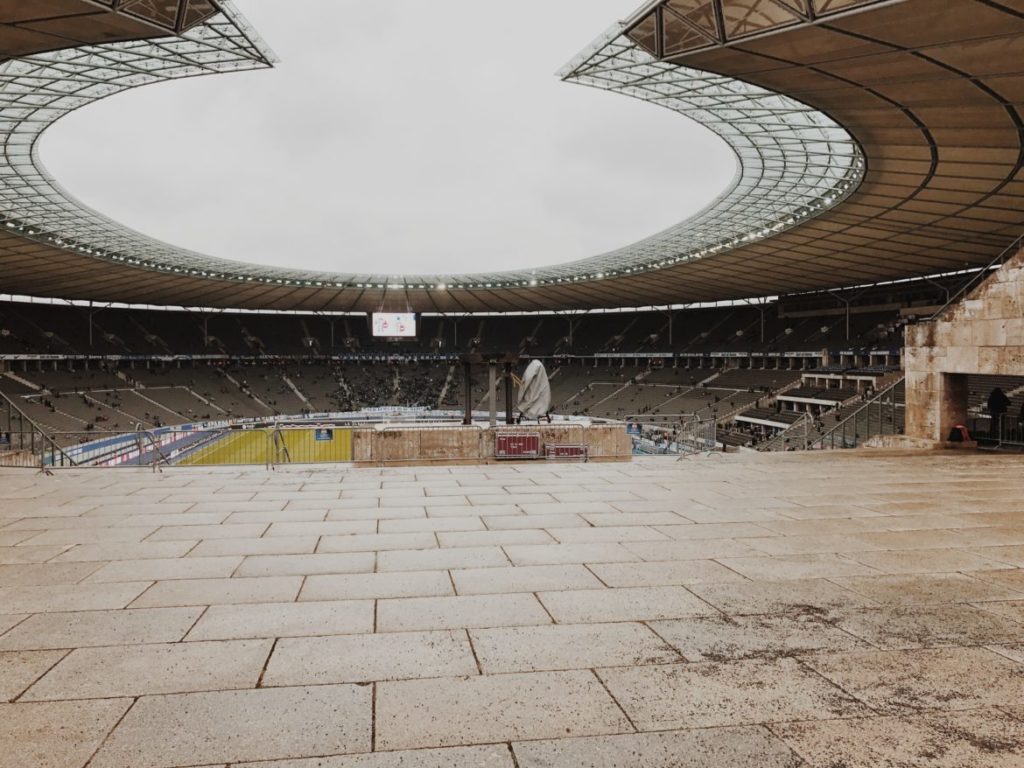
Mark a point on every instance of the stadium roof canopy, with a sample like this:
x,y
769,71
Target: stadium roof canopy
x,y
877,140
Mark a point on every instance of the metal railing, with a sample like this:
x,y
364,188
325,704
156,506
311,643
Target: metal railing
x,y
882,415
697,436
686,437
21,434
980,277
799,430
187,447
243,444
1002,433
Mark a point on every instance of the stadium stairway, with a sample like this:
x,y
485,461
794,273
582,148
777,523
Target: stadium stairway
x,y
138,393
247,393
298,392
23,382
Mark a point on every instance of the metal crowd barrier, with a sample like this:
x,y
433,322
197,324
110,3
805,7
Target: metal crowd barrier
x,y
154,449
1006,432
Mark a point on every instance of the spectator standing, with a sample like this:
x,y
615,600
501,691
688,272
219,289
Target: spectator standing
x,y
998,405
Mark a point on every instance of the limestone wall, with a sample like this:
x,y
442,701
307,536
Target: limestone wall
x,y
471,445
18,459
984,334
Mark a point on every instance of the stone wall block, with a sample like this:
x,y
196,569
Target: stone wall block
x,y
984,334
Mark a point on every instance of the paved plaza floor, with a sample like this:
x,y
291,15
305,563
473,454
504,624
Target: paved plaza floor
x,y
839,610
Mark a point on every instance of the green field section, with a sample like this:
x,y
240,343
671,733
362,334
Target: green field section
x,y
291,446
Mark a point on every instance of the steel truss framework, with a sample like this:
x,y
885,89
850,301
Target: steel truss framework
x,y
172,15
673,28
794,161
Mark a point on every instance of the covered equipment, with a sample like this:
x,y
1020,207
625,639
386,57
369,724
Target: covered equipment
x,y
534,392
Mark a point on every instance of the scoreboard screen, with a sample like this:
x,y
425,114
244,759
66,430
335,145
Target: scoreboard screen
x,y
394,326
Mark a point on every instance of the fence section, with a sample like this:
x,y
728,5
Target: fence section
x,y
883,415
697,436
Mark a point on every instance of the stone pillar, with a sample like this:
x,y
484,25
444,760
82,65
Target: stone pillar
x,y
982,334
509,416
467,384
936,402
492,391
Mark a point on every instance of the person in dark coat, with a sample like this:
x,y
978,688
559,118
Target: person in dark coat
x,y
998,405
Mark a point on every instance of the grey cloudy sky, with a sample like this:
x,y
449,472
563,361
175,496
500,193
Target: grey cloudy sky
x,y
396,137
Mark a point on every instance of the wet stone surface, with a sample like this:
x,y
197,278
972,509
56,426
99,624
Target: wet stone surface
x,y
843,610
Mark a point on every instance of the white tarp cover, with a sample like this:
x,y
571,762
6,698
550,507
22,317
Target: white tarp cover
x,y
534,392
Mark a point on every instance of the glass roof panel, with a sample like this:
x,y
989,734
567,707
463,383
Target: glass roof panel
x,y
701,13
745,17
680,37
645,34
162,12
794,162
824,7
198,11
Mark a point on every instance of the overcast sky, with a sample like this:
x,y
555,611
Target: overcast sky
x,y
406,136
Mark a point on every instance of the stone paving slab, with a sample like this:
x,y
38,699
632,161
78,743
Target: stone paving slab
x,y
740,693
513,519
377,542
208,728
20,669
82,629
460,711
464,611
626,604
441,559
163,570
561,554
977,739
568,646
235,622
147,550
370,658
853,609
928,589
298,530
677,573
8,538
691,549
764,597
104,673
52,599
48,574
527,578
493,538
56,734
719,638
306,565
749,747
924,561
207,532
282,589
497,756
277,545
372,586
897,682
70,536
928,627
9,621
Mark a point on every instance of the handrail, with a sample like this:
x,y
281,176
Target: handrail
x,y
873,401
804,421
980,277
139,433
278,448
25,418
